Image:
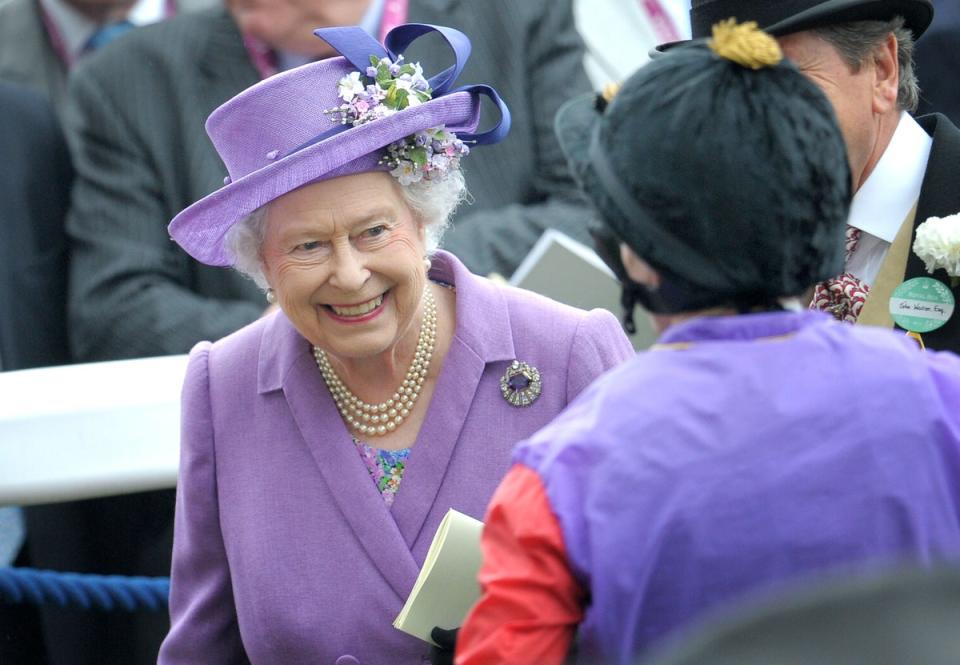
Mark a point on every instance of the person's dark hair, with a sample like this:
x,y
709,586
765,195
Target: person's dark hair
x,y
856,42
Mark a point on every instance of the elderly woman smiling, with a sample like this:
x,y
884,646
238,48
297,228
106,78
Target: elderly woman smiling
x,y
322,445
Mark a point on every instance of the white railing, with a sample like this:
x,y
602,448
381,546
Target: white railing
x,y
82,431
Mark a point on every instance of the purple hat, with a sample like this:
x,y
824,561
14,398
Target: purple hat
x,y
365,111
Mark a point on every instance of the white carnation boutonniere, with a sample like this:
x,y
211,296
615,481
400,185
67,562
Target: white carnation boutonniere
x,y
938,245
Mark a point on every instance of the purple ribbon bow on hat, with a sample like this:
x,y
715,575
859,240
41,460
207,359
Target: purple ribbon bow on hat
x,y
354,44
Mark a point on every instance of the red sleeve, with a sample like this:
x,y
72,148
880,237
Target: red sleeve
x,y
530,603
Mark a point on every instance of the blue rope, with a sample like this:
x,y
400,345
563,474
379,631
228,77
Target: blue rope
x,y
96,592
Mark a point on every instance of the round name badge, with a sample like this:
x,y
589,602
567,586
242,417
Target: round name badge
x,y
921,304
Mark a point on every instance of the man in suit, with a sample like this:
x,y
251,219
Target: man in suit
x,y
35,178
938,62
904,170
41,40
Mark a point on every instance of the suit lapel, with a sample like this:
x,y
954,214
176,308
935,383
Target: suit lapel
x,y
225,64
460,376
876,310
34,61
939,197
438,436
224,71
388,536
287,359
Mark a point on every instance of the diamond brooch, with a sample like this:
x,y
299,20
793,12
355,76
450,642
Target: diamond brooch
x,y
520,384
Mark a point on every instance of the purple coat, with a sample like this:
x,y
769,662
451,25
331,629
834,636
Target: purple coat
x,y
284,552
759,450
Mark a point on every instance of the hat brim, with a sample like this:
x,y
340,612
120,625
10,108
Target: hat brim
x,y
917,16
200,228
574,125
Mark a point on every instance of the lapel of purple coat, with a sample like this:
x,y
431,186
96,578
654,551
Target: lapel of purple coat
x,y
387,536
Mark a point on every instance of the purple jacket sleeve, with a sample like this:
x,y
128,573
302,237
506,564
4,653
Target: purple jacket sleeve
x,y
202,614
598,345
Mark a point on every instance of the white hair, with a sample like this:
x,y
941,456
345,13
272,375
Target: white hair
x,y
432,202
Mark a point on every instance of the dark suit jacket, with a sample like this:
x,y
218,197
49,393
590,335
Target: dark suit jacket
x,y
142,155
25,53
27,56
939,197
937,61
135,122
35,177
530,51
127,535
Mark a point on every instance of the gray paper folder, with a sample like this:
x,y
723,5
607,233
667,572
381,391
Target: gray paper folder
x,y
568,271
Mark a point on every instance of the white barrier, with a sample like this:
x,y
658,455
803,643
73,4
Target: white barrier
x,y
82,431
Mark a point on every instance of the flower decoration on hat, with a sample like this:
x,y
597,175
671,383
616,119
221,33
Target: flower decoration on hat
x,y
745,44
937,243
385,88
365,110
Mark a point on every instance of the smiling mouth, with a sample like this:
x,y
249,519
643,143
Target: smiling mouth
x,y
357,310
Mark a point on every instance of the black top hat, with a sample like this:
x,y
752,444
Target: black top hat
x,y
732,183
782,17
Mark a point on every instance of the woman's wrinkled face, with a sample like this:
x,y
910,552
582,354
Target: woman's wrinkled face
x,y
345,259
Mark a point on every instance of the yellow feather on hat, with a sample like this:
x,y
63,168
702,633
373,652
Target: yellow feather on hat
x,y
745,44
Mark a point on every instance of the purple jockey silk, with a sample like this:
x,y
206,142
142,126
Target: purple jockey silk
x,y
284,551
775,447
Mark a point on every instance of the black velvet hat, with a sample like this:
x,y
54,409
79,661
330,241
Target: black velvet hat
x,y
732,182
782,17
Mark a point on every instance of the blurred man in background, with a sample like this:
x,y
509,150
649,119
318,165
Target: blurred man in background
x,y
41,40
35,178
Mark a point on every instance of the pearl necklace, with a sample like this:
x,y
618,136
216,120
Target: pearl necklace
x,y
379,419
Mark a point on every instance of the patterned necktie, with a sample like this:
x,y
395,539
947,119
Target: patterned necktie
x,y
104,34
843,296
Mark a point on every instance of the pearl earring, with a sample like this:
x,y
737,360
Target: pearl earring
x,y
427,263
271,297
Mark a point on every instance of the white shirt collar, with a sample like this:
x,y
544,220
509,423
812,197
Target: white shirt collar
x,y
886,198
145,12
76,29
